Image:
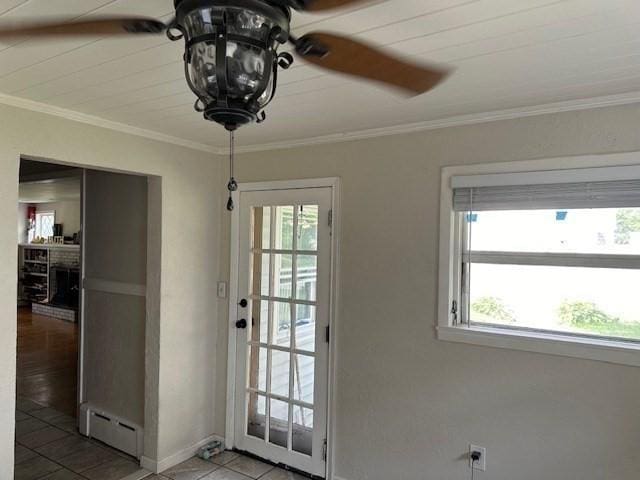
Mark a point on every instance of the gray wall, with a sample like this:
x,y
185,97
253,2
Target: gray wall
x,y
408,404
182,327
115,236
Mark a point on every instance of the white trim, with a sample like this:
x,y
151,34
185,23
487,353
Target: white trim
x,y
233,313
457,121
81,316
331,182
72,115
119,288
561,345
159,466
587,167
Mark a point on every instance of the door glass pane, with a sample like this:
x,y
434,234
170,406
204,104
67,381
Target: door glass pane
x,y
260,321
308,227
280,373
258,368
281,324
279,423
302,439
260,275
257,415
282,269
307,276
303,378
305,328
284,228
266,227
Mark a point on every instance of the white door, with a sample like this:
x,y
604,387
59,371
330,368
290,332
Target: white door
x,y
282,326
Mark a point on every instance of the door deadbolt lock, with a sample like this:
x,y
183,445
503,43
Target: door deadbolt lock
x,y
243,303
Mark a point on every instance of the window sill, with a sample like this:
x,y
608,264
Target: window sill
x,y
551,344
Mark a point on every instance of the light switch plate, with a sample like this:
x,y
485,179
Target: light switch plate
x,y
222,289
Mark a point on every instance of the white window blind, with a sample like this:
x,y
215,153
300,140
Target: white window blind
x,y
609,194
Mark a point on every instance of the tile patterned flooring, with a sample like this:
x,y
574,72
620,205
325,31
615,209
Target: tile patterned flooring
x,y
48,447
226,466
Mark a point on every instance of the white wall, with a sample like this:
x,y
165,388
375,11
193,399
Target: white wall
x,y
67,213
408,405
182,335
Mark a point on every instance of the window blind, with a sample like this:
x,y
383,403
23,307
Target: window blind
x,y
609,194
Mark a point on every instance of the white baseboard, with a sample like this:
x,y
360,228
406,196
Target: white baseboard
x,y
171,461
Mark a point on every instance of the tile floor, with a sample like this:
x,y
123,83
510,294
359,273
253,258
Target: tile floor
x,y
48,447
226,466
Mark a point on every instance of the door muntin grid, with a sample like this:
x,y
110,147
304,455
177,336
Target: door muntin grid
x,y
281,360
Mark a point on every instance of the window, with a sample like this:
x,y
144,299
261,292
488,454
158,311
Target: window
x,y
535,256
44,224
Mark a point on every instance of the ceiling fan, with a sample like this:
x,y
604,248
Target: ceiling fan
x,y
231,51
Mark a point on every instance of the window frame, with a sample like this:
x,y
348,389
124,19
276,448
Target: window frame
x,y
38,222
451,274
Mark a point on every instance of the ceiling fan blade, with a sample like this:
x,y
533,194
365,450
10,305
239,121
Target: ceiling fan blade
x,y
345,55
101,27
320,5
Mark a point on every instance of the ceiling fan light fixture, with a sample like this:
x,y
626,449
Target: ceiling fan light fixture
x,y
231,57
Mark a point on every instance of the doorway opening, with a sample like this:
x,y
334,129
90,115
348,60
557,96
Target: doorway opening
x,y
82,302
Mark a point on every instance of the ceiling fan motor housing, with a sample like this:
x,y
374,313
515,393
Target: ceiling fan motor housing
x,y
231,57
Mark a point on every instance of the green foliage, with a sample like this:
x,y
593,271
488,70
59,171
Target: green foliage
x,y
627,221
581,314
494,308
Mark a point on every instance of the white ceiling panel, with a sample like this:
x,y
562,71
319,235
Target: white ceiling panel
x,y
506,54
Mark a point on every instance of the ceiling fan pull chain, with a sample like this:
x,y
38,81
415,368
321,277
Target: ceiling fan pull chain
x,y
232,186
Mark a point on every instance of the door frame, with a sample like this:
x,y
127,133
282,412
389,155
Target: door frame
x,y
334,184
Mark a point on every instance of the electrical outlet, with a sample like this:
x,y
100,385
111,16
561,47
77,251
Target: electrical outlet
x,y
480,464
222,289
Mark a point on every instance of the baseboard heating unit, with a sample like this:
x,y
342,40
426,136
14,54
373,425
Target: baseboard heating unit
x,y
111,430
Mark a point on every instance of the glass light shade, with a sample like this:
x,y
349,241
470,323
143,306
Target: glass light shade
x,y
249,64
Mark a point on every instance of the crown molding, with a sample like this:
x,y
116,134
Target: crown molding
x,y
458,121
67,114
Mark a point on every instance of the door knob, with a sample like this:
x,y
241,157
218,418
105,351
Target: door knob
x,y
243,303
242,323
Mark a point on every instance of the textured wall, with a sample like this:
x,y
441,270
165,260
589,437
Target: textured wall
x,y
408,405
181,325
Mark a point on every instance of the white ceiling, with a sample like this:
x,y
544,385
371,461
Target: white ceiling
x,y
54,190
508,54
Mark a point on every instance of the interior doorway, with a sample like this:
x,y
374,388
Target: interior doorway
x,y
82,302
49,260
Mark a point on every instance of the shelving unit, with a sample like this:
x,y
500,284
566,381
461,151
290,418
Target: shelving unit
x,y
39,267
35,274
